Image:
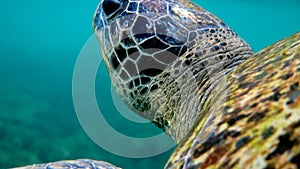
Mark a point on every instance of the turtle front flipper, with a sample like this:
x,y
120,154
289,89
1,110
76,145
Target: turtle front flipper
x,y
80,163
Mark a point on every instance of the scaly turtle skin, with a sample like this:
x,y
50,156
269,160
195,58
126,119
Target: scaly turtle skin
x,y
165,57
181,67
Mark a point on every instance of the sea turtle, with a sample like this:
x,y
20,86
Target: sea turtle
x,y
181,67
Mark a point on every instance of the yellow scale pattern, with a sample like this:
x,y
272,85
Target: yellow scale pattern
x,y
260,126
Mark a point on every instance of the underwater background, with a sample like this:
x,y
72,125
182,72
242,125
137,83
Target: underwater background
x,y
39,44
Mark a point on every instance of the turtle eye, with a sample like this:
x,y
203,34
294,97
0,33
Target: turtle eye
x,y
113,7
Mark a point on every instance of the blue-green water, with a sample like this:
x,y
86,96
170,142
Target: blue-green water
x,y
40,42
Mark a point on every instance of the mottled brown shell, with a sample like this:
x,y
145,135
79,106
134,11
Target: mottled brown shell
x,y
260,126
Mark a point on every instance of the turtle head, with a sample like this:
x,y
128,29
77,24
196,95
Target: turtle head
x,y
161,53
139,40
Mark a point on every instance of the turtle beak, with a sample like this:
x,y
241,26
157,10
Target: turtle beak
x,y
98,21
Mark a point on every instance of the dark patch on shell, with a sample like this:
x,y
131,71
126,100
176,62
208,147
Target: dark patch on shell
x,y
257,116
284,144
234,133
253,105
275,97
286,76
267,132
247,85
210,142
226,164
285,64
296,160
294,86
231,121
296,124
215,156
261,75
293,96
242,78
243,141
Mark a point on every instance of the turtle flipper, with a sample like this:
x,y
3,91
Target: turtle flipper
x,y
74,164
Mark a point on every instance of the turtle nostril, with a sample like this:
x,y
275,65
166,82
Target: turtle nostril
x,y
111,6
